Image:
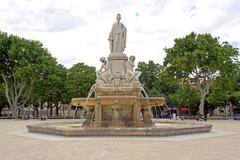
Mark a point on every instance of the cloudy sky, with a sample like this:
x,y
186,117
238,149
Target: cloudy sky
x,y
77,30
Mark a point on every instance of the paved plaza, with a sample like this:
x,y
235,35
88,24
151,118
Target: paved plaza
x,y
223,143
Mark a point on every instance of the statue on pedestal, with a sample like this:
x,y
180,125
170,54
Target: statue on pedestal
x,y
118,70
117,36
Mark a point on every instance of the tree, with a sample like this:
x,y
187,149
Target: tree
x,y
3,99
22,63
235,94
226,88
184,96
155,81
150,77
200,58
51,87
79,80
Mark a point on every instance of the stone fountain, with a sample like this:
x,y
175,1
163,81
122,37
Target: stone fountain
x,y
120,106
119,101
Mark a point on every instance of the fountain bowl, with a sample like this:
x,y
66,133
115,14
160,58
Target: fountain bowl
x,y
161,128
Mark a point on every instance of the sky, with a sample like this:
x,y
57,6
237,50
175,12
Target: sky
x,y
77,30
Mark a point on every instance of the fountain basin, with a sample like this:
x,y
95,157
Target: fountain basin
x,y
161,128
109,100
118,107
118,111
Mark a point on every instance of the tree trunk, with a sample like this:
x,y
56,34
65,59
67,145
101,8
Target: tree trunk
x,y
36,112
58,106
1,111
15,110
15,113
203,87
51,108
202,101
14,93
63,111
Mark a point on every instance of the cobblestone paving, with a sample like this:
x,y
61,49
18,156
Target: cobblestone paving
x,y
220,147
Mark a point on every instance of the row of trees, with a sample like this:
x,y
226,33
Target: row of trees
x,y
197,69
31,76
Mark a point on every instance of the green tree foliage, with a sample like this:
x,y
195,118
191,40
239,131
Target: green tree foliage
x,y
185,96
155,81
201,58
50,88
226,87
23,62
80,78
150,77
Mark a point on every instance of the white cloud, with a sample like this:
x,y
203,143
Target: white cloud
x,y
21,17
77,31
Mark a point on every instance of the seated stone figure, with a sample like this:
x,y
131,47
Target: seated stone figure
x,y
104,74
130,74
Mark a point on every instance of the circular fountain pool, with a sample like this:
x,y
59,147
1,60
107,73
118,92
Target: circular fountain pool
x,y
161,128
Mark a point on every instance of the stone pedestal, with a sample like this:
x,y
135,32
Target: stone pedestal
x,y
117,63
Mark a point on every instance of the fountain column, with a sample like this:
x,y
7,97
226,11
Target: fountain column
x,y
147,116
136,114
88,120
98,114
116,118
